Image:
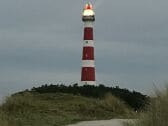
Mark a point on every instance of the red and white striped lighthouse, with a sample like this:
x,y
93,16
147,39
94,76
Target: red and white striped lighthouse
x,y
88,62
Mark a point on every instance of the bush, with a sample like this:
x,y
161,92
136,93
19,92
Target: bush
x,y
157,114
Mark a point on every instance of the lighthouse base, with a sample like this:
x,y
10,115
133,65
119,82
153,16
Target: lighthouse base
x,y
88,82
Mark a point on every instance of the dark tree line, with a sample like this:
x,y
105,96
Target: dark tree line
x,y
134,99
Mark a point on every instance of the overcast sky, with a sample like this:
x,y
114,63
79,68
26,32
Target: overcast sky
x,y
41,42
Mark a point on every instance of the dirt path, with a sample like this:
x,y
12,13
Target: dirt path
x,y
113,122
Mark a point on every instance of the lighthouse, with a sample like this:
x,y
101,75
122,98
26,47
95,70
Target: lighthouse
x,y
88,60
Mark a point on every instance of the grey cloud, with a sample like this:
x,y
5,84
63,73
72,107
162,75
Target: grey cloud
x,y
41,42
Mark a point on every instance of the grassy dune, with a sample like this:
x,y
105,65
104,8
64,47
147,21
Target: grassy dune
x,y
58,109
157,112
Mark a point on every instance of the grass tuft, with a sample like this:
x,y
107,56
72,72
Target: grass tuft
x,y
157,112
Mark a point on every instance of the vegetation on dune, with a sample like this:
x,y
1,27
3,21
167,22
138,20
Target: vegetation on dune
x,y
58,109
134,99
157,112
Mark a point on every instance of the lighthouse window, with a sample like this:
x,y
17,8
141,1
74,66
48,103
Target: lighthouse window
x,y
86,42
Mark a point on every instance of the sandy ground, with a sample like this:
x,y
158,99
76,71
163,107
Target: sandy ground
x,y
113,122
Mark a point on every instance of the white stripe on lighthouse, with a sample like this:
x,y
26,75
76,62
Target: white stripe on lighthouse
x,y
88,63
88,24
88,82
89,43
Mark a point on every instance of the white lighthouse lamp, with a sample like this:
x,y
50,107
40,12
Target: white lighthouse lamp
x,y
88,13
88,10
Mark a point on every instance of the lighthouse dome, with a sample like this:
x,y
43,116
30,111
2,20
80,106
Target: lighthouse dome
x,y
88,10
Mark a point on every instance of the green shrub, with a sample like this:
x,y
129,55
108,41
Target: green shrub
x,y
157,113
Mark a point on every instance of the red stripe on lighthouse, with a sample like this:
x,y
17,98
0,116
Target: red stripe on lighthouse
x,y
88,53
88,33
88,74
